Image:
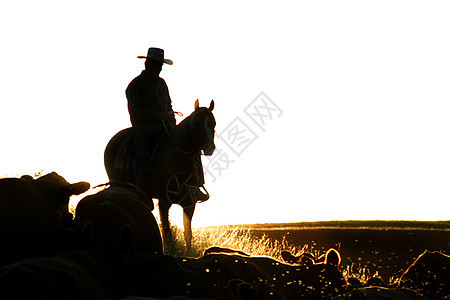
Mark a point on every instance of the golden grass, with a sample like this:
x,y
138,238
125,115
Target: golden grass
x,y
239,238
230,237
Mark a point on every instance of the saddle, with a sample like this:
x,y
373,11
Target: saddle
x,y
126,153
125,159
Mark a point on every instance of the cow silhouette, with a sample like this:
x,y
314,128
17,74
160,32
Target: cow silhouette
x,y
429,274
209,276
118,205
31,210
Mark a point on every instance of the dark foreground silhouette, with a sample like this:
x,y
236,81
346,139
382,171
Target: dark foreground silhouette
x,y
116,206
372,248
113,251
33,213
116,270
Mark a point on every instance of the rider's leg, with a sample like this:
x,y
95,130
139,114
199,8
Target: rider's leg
x,y
145,137
142,136
140,164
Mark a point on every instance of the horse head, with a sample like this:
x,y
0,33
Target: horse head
x,y
202,127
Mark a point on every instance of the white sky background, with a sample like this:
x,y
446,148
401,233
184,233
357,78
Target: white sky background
x,y
363,87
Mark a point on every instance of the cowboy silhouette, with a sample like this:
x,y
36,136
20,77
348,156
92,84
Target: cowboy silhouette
x,y
151,113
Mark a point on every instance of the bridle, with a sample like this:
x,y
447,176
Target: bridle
x,y
174,144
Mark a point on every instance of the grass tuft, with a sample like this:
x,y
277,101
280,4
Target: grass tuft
x,y
239,238
231,237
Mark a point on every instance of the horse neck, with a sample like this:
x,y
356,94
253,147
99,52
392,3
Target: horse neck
x,y
182,137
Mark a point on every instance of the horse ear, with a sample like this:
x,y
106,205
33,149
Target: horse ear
x,y
196,104
332,257
211,105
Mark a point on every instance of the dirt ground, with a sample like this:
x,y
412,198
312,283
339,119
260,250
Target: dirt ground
x,y
386,251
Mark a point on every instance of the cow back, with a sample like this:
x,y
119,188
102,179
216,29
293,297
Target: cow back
x,y
119,205
210,275
429,274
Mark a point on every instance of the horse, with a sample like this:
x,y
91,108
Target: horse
x,y
172,174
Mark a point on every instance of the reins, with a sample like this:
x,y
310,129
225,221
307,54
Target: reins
x,y
173,143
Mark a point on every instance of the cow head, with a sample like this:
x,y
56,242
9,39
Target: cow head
x,y
331,257
56,192
305,258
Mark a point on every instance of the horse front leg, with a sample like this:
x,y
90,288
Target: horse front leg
x,y
188,212
164,207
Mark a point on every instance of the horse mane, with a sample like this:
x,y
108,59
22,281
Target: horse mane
x,y
181,131
194,114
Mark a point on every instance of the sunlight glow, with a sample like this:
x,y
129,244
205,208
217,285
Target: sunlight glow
x,y
362,87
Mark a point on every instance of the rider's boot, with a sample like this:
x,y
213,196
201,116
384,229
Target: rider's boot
x,y
199,195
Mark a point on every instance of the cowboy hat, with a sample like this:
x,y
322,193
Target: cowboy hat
x,y
156,54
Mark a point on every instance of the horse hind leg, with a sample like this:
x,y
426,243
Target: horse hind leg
x,y
164,207
188,212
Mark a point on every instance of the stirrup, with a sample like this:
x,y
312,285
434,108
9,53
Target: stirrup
x,y
199,195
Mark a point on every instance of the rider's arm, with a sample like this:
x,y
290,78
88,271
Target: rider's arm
x,y
170,115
